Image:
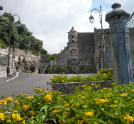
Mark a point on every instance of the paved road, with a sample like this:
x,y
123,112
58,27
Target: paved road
x,y
24,83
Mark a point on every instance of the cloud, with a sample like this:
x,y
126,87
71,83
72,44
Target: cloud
x,y
126,4
50,20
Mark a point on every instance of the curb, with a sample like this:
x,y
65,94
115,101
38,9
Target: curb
x,y
13,77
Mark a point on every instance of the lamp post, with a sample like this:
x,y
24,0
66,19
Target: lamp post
x,y
9,45
91,18
102,59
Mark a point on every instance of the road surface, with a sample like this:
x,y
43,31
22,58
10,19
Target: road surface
x,y
25,82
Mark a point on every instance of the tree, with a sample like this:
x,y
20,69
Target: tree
x,y
18,35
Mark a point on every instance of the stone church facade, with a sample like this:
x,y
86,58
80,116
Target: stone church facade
x,y
78,56
86,52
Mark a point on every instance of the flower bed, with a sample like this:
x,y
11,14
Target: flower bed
x,y
102,75
113,105
68,85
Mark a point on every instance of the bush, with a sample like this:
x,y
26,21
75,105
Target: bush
x,y
106,106
2,44
103,74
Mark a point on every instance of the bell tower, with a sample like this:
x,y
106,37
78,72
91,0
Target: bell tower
x,y
72,35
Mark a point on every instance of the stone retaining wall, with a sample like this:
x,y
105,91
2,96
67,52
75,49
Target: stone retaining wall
x,y
67,88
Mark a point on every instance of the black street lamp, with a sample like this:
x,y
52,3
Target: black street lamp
x,y
9,45
91,18
1,8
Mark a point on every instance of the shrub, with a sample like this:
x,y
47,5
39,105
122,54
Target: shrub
x,y
102,74
105,106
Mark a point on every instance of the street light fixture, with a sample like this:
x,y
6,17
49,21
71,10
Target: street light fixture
x,y
9,45
91,18
1,8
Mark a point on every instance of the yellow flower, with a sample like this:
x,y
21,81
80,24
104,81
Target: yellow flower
x,y
97,101
13,116
110,89
39,89
23,122
22,94
56,111
92,84
113,84
2,116
9,99
102,109
128,118
62,81
8,121
79,122
31,113
113,105
16,117
3,102
83,97
123,94
87,114
16,102
66,105
44,92
83,85
26,107
104,88
30,97
48,98
132,90
115,101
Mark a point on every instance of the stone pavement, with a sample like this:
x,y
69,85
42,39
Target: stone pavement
x,y
3,73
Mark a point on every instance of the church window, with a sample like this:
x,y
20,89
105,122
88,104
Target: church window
x,y
72,38
73,52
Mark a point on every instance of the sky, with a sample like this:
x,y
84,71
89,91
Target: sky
x,y
50,20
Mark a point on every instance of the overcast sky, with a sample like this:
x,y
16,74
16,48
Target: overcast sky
x,y
50,20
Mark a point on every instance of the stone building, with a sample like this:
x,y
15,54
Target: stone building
x,y
78,56
86,52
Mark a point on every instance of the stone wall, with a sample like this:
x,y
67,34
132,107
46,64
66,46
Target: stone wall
x,y
89,51
103,49
70,87
18,55
86,52
108,56
131,35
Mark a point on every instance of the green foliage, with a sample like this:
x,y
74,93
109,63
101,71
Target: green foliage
x,y
105,106
103,74
52,57
18,35
43,51
2,44
55,70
